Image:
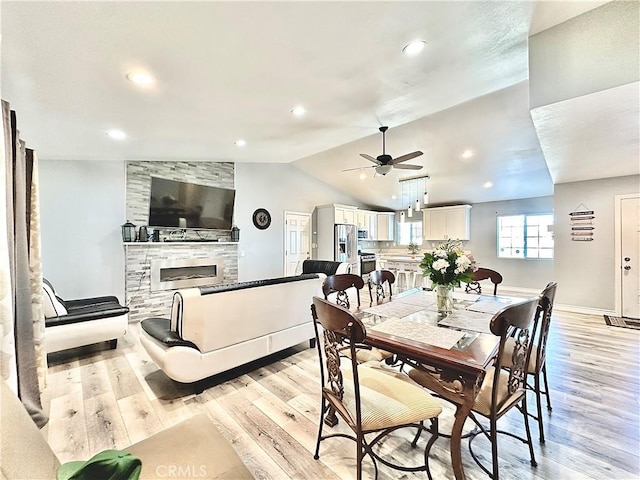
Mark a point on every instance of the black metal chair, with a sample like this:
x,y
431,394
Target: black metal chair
x,y
502,390
537,366
483,274
371,399
379,278
340,284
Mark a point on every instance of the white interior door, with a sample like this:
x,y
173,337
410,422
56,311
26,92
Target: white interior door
x,y
297,241
630,252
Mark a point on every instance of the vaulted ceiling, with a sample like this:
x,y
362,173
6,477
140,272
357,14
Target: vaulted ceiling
x,y
234,70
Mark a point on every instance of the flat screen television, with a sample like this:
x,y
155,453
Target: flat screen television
x,y
189,205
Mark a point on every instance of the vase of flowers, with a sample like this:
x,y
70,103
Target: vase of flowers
x,y
446,266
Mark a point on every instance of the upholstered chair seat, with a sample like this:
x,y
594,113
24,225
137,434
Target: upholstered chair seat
x,y
388,398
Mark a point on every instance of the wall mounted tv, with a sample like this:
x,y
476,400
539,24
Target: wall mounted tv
x,y
189,205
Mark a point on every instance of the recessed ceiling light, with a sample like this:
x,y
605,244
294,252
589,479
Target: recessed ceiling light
x,y
394,196
363,176
140,78
298,111
467,154
414,48
117,134
241,143
488,185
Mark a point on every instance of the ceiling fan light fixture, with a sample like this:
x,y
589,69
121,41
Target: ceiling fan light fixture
x,y
383,169
414,47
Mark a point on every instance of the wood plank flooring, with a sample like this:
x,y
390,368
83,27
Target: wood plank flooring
x,y
99,398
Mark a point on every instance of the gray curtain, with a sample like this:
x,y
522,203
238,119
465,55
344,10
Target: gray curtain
x,y
19,170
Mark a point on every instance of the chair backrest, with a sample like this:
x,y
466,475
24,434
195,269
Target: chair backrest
x,y
486,273
337,324
516,320
378,278
339,284
543,321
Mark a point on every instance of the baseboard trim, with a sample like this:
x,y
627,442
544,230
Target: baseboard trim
x,y
557,306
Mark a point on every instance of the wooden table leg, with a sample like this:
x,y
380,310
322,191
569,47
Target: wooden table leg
x,y
462,412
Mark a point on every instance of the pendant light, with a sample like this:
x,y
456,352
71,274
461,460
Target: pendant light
x,y
409,211
417,207
402,216
425,200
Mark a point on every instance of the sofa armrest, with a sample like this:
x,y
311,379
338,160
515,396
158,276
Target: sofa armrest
x,y
160,329
88,312
83,302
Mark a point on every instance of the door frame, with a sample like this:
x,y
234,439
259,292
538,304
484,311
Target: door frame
x,y
618,249
284,235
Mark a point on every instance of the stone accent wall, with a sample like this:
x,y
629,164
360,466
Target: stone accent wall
x,y
144,303
214,174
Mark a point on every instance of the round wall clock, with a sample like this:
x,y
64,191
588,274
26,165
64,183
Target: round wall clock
x,y
261,219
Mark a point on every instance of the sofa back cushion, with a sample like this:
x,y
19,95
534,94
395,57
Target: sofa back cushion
x,y
50,303
25,454
229,316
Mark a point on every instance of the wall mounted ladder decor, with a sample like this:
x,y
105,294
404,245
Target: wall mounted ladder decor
x,y
582,225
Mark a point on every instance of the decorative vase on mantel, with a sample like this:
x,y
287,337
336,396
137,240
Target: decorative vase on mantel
x,y
444,299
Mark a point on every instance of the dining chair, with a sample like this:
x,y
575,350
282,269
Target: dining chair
x,y
537,366
378,278
372,399
502,389
483,274
340,284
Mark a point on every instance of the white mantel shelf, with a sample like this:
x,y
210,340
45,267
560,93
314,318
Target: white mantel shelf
x,y
143,244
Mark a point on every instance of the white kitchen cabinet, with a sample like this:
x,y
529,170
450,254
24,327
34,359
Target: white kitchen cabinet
x,y
444,223
385,226
343,214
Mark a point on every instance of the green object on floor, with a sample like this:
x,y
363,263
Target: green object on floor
x,y
106,465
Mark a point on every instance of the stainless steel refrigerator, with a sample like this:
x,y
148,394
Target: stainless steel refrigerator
x,y
346,246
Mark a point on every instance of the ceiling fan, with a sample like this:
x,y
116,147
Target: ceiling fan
x,y
384,163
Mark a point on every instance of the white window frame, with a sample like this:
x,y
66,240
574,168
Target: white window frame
x,y
525,236
414,236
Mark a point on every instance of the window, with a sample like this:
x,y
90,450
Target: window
x,y
525,236
410,232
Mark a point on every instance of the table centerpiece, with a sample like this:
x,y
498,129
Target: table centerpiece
x,y
446,266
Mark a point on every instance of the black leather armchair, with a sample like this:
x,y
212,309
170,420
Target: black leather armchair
x,y
73,323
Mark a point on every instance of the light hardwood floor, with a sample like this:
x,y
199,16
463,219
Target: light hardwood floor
x,y
99,398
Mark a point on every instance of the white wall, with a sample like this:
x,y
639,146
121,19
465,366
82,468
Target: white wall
x,y
82,208
278,188
585,271
526,273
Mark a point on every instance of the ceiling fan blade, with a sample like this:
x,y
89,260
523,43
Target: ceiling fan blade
x,y
404,158
370,158
358,168
408,167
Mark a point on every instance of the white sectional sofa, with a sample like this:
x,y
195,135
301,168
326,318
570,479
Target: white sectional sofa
x,y
214,329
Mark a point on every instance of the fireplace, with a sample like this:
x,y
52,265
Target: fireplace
x,y
184,273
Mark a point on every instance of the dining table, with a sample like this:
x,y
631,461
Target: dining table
x,y
456,349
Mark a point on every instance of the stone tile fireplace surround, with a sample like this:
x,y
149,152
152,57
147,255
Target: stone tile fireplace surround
x,y
143,300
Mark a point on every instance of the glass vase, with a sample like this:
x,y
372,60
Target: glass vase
x,y
444,299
